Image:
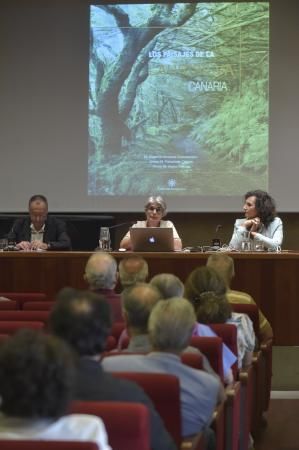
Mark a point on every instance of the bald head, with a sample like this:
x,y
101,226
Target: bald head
x,y
132,270
138,302
223,265
101,271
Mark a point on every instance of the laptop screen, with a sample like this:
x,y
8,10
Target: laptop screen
x,y
152,239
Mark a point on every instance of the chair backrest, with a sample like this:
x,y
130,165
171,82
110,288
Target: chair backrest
x,y
45,305
21,297
12,326
252,311
192,360
32,316
110,343
8,305
47,445
127,424
211,347
164,391
117,329
228,333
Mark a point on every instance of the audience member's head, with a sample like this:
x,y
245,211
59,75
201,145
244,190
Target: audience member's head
x,y
171,324
101,271
213,308
203,279
138,302
36,376
168,284
224,266
132,270
83,320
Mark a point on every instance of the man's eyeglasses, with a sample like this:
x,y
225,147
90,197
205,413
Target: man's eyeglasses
x,y
152,208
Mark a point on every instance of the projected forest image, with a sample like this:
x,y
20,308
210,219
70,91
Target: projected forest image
x,y
178,98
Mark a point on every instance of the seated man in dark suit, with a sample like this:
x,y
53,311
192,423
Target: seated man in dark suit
x,y
83,320
38,231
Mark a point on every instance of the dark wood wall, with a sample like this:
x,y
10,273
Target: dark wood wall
x,y
194,228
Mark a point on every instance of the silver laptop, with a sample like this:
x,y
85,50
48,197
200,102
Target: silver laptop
x,y
152,239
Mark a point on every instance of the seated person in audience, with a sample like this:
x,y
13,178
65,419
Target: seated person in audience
x,y
38,231
36,382
168,284
138,302
205,280
170,329
132,270
101,276
83,320
155,208
260,220
224,266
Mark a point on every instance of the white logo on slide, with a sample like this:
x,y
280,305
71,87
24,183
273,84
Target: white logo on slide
x,y
171,183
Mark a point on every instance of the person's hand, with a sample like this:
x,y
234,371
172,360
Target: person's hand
x,y
38,245
255,224
252,224
24,245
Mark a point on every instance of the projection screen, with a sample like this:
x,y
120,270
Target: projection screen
x,y
103,104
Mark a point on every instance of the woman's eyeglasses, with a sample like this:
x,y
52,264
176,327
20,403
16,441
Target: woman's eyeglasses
x,y
152,208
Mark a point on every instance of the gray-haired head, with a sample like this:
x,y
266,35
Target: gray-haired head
x,y
156,200
138,302
168,284
132,270
101,271
171,325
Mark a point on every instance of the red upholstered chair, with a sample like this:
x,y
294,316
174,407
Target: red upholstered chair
x,y
13,326
117,329
47,445
127,424
164,391
110,343
211,347
192,360
32,316
228,333
21,297
8,305
264,381
45,305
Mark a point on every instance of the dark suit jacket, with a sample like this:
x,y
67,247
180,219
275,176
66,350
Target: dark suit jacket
x,y
92,383
55,233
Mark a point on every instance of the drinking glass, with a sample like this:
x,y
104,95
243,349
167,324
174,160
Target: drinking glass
x,y
3,244
104,239
246,242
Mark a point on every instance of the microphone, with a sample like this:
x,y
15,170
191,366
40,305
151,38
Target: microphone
x,y
118,225
216,242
